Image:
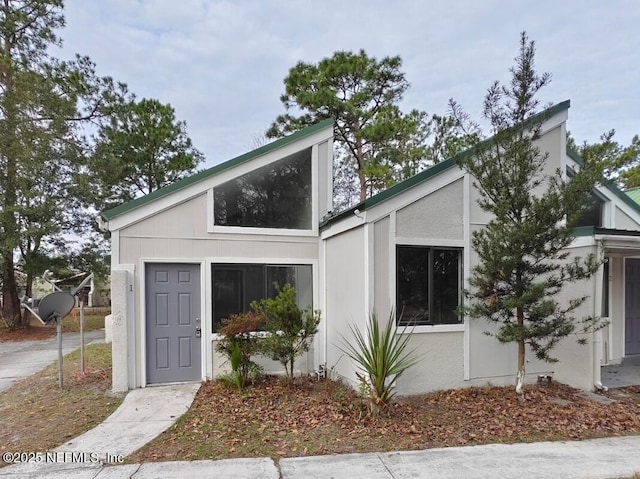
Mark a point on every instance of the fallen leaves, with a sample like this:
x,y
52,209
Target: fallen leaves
x,y
32,333
310,418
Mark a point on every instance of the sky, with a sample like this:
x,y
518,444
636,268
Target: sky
x,y
221,64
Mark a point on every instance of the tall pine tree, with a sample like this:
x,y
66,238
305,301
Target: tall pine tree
x,y
42,103
523,258
375,139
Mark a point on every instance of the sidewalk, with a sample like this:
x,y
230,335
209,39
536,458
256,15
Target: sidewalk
x,y
21,359
609,458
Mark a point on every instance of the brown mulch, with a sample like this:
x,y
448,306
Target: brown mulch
x,y
31,333
310,418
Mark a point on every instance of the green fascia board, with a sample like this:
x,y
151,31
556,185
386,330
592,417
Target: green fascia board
x,y
624,197
394,190
595,230
214,170
437,168
583,231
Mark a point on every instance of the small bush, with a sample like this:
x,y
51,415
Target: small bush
x,y
289,328
239,343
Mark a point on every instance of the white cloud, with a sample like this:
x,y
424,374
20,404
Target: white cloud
x,y
221,63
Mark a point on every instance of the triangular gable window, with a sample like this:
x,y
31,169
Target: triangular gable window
x,y
277,195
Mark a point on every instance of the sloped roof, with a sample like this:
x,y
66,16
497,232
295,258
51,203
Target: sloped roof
x,y
433,171
425,175
202,175
634,194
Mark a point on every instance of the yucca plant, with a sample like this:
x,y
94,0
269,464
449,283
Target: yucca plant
x,y
381,356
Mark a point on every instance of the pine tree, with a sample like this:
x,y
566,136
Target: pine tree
x,y
140,149
42,103
376,140
523,258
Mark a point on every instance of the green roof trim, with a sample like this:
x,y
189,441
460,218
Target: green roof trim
x,y
583,231
394,190
436,169
214,170
634,194
624,197
595,230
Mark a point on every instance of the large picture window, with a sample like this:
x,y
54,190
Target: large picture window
x,y
593,212
278,195
235,286
427,285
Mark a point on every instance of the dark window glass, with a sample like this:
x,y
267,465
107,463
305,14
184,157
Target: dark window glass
x,y
427,285
605,288
413,284
277,195
592,214
236,286
446,286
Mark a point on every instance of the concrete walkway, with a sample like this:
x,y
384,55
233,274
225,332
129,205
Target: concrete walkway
x,y
141,417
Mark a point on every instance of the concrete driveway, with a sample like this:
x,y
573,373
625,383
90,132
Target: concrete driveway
x,y
20,359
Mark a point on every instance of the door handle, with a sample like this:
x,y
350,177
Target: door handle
x,y
198,332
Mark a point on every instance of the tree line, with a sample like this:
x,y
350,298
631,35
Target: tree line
x,y
72,143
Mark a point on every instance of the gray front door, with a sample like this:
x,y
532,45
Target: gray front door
x,y
173,322
632,307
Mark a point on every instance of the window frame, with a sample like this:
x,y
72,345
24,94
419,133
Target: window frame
x,y
602,203
430,327
244,265
212,228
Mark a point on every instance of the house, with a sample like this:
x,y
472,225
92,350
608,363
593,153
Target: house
x,y
188,255
634,194
95,295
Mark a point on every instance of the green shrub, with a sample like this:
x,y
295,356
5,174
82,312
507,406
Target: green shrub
x,y
289,328
239,343
381,357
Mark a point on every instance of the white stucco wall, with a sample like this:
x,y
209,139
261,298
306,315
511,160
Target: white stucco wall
x,y
441,363
624,222
303,365
345,297
382,301
614,333
494,362
122,329
438,215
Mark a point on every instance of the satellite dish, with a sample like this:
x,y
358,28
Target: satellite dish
x,y
55,306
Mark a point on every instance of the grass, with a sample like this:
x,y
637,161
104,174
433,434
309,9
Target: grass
x,y
35,415
311,418
93,319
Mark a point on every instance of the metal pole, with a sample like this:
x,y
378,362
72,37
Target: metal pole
x,y
59,332
82,337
